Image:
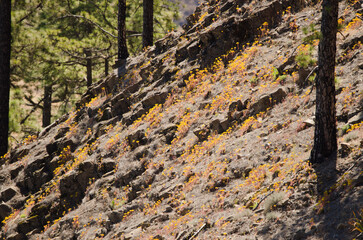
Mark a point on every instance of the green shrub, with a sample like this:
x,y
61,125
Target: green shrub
x,y
357,222
275,73
345,128
311,34
16,111
305,58
254,80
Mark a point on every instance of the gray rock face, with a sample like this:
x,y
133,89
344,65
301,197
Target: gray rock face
x,y
120,107
137,138
73,185
154,98
268,100
219,125
202,133
356,119
8,194
5,210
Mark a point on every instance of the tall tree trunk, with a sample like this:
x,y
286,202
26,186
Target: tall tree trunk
x,y
122,53
325,139
66,93
5,47
148,27
47,106
89,67
106,66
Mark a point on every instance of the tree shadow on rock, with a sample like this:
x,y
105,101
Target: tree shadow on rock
x,y
327,176
336,200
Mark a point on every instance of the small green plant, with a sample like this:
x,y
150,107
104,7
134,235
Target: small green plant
x,y
282,77
305,58
357,221
272,200
341,24
254,80
336,82
345,128
275,73
253,205
311,34
312,78
112,204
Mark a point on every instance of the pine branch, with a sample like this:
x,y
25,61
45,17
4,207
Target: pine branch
x,y
88,20
36,106
30,13
104,15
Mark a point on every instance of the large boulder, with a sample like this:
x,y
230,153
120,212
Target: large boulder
x,y
8,194
73,185
120,107
137,138
154,98
356,119
266,101
5,211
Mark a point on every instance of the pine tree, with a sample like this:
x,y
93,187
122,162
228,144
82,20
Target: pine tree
x,y
325,139
47,106
5,48
49,39
122,53
148,23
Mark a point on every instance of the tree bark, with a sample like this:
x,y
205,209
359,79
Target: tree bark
x,y
47,106
148,20
106,67
121,27
5,47
89,67
325,139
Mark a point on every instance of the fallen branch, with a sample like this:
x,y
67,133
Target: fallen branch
x,y
262,199
197,232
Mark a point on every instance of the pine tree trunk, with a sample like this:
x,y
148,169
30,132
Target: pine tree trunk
x,y
148,28
5,47
89,67
106,66
47,106
325,139
122,46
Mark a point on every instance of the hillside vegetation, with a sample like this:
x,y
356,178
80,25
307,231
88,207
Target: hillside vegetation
x,y
206,136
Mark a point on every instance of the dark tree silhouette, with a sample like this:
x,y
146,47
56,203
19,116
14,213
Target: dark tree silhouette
x,y
88,54
148,26
5,46
122,53
47,105
325,139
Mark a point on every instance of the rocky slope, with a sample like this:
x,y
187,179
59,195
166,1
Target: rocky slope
x,y
206,135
